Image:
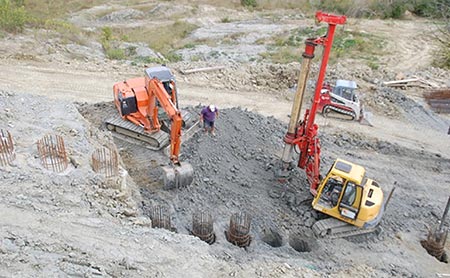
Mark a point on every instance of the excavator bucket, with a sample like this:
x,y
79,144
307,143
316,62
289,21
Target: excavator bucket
x,y
178,176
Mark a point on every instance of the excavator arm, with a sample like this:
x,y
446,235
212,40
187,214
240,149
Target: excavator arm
x,y
157,91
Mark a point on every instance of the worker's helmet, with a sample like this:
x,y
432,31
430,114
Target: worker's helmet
x,y
212,107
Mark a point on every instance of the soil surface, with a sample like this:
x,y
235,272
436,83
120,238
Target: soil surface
x,y
80,223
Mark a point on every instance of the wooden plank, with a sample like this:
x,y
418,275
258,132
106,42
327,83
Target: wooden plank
x,y
387,83
202,69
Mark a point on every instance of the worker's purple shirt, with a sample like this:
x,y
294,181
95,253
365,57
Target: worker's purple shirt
x,y
208,115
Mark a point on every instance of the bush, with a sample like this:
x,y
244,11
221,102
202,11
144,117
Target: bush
x,y
442,55
115,53
249,3
341,7
12,16
107,39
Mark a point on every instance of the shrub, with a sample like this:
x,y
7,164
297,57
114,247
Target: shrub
x,y
12,16
115,53
340,7
442,55
249,3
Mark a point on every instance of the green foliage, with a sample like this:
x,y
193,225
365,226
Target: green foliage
x,y
442,55
341,7
173,57
106,34
115,53
12,16
283,55
225,20
249,3
51,9
427,8
189,45
346,44
163,39
107,40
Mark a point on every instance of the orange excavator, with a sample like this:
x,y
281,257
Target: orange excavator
x,y
138,101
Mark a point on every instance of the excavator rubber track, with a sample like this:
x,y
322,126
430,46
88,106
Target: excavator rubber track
x,y
338,113
333,228
155,140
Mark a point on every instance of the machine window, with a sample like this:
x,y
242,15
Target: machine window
x,y
349,194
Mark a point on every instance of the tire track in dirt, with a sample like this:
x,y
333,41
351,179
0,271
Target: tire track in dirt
x,y
409,46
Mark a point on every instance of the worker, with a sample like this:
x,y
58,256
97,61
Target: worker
x,y
208,117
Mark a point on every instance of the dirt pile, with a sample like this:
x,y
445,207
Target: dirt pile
x,y
234,173
266,77
79,223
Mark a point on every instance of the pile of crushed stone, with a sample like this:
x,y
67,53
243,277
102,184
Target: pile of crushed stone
x,y
234,172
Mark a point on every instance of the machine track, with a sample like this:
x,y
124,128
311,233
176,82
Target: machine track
x,y
333,228
156,140
338,113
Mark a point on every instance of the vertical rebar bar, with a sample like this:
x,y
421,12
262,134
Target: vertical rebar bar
x,y
160,218
445,214
238,233
7,154
202,226
106,160
53,153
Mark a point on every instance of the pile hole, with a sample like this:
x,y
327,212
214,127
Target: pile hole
x,y
272,237
299,243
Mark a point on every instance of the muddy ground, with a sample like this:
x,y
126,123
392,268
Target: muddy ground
x,y
79,223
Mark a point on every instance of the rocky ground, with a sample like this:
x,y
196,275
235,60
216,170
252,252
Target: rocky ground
x,y
79,223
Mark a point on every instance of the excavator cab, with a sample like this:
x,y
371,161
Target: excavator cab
x,y
346,194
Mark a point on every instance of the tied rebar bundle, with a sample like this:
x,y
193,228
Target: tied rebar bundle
x,y
238,233
7,154
105,160
202,227
52,153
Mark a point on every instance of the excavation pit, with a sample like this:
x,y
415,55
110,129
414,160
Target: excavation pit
x,y
300,244
272,238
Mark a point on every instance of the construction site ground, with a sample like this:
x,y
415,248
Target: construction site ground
x,y
79,223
